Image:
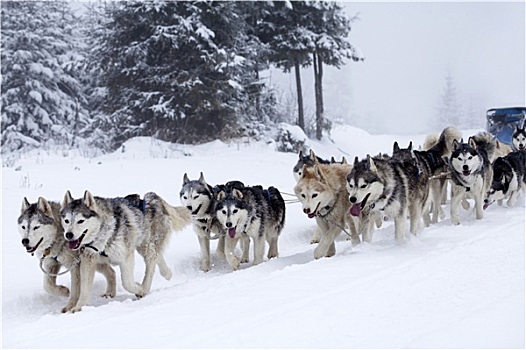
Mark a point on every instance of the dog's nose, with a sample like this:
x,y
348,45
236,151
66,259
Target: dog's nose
x,y
25,241
352,199
69,235
486,201
465,167
189,207
306,210
228,224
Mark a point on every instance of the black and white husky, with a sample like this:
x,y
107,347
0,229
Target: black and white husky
x,y
518,140
509,179
471,173
250,211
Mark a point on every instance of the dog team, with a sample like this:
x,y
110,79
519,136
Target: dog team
x,y
92,234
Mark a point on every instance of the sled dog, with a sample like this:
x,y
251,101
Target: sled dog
x,y
200,199
42,236
250,211
432,163
321,191
509,179
471,174
518,140
418,182
111,229
378,185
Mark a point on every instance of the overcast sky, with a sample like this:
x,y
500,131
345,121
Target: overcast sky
x,y
409,49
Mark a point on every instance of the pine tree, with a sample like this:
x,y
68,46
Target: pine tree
x,y
449,109
42,98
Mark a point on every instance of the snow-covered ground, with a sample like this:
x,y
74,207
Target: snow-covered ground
x,y
450,287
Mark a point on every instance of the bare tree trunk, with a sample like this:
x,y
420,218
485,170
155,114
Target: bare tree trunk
x,y
301,116
318,96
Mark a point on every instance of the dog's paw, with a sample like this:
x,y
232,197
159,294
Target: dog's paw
x,y
314,241
244,261
455,221
166,273
63,291
465,204
76,309
108,295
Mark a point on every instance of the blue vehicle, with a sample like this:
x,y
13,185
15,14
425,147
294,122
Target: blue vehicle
x,y
502,122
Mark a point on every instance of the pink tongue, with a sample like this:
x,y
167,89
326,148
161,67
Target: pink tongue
x,y
73,244
232,232
356,209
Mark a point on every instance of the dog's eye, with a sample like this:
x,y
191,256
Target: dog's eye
x,y
36,227
66,221
459,158
185,197
363,186
224,212
195,197
303,195
314,195
23,227
470,157
235,211
351,186
80,222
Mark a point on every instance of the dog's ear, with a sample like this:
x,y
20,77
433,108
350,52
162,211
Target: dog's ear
x,y
372,166
25,205
185,179
300,155
472,143
303,168
44,206
455,144
221,195
446,160
319,174
344,160
333,160
410,148
89,200
356,161
313,157
396,148
68,198
202,177
237,193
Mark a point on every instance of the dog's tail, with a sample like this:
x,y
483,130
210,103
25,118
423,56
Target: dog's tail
x,y
179,217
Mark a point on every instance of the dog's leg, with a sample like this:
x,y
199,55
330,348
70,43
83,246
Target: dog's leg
x,y
245,249
316,236
352,222
326,246
458,193
204,244
75,289
111,283
259,248
443,191
87,274
399,221
435,198
220,250
231,258
272,246
50,282
164,269
513,198
127,266
479,202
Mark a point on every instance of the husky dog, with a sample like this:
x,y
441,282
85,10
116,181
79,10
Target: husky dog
x,y
418,181
432,163
308,161
518,140
471,174
321,192
200,199
42,235
509,179
250,212
380,185
111,229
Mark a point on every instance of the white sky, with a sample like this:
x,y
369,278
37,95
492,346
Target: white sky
x,y
409,49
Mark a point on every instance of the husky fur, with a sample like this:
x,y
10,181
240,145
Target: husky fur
x,y
200,199
321,190
432,163
42,236
111,229
518,140
380,185
509,179
250,211
418,181
471,174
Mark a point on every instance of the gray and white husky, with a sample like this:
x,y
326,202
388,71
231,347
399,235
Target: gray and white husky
x,y
250,211
200,199
380,186
471,173
518,140
42,236
509,179
111,229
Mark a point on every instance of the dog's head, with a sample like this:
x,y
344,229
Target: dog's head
x,y
465,158
232,211
314,191
80,219
37,226
196,195
403,154
364,185
518,140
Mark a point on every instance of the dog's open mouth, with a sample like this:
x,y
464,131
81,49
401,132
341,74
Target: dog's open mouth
x,y
32,249
466,172
232,232
75,244
197,210
315,212
357,208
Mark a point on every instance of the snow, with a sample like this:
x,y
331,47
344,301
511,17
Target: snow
x,y
450,287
